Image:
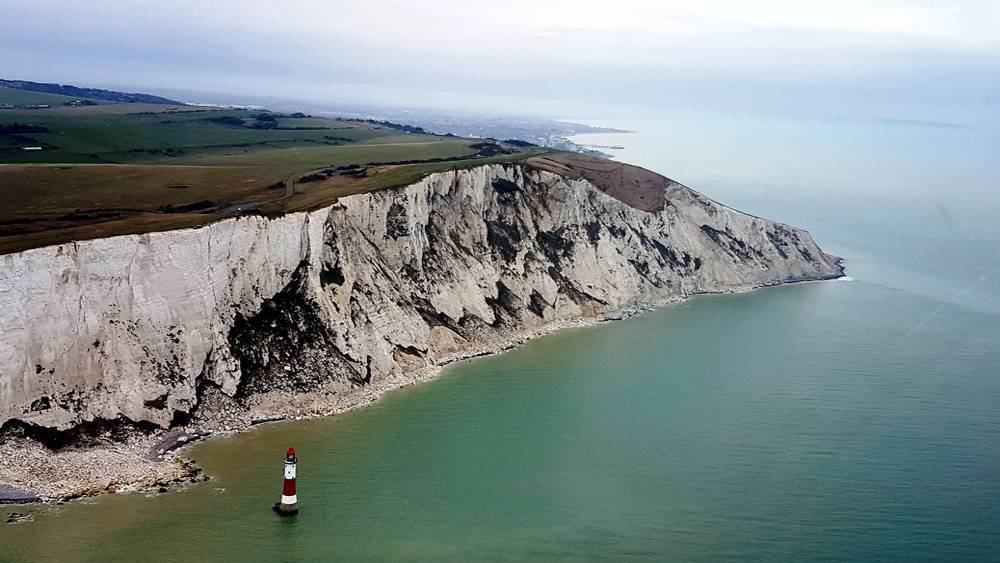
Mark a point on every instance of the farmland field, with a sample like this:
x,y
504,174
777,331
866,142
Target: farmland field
x,y
13,96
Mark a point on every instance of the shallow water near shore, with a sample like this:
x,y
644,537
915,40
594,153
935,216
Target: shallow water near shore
x,y
852,420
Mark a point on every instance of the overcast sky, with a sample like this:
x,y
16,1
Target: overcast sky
x,y
906,59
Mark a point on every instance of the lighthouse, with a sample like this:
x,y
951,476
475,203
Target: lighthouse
x,y
289,505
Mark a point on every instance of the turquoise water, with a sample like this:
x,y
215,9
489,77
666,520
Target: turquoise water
x,y
847,420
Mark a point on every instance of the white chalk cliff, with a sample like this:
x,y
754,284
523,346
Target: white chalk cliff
x,y
135,328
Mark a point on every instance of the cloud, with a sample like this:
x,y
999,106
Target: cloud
x,y
629,53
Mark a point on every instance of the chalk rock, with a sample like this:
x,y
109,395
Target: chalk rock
x,y
135,328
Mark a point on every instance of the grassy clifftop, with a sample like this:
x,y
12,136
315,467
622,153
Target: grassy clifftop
x,y
80,172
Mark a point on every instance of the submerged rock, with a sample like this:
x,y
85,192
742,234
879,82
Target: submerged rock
x,y
17,517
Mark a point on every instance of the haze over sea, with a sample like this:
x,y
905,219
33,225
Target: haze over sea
x,y
848,420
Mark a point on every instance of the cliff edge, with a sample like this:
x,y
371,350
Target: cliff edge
x,y
183,328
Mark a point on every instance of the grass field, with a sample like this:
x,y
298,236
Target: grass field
x,y
105,171
95,136
14,96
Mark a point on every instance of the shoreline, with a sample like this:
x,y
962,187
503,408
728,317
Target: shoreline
x,y
155,462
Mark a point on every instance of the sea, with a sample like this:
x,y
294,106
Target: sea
x,y
848,420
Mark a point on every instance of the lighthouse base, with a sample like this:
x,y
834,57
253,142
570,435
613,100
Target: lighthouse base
x,y
286,509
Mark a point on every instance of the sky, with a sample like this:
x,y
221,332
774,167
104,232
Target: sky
x,y
930,60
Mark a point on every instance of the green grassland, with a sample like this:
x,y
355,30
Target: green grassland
x,y
17,97
104,170
145,137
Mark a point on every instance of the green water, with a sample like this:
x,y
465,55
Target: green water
x,y
850,420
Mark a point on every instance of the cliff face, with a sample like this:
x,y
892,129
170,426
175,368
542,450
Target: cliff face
x,y
137,328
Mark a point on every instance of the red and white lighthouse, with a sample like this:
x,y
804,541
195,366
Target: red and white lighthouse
x,y
289,505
